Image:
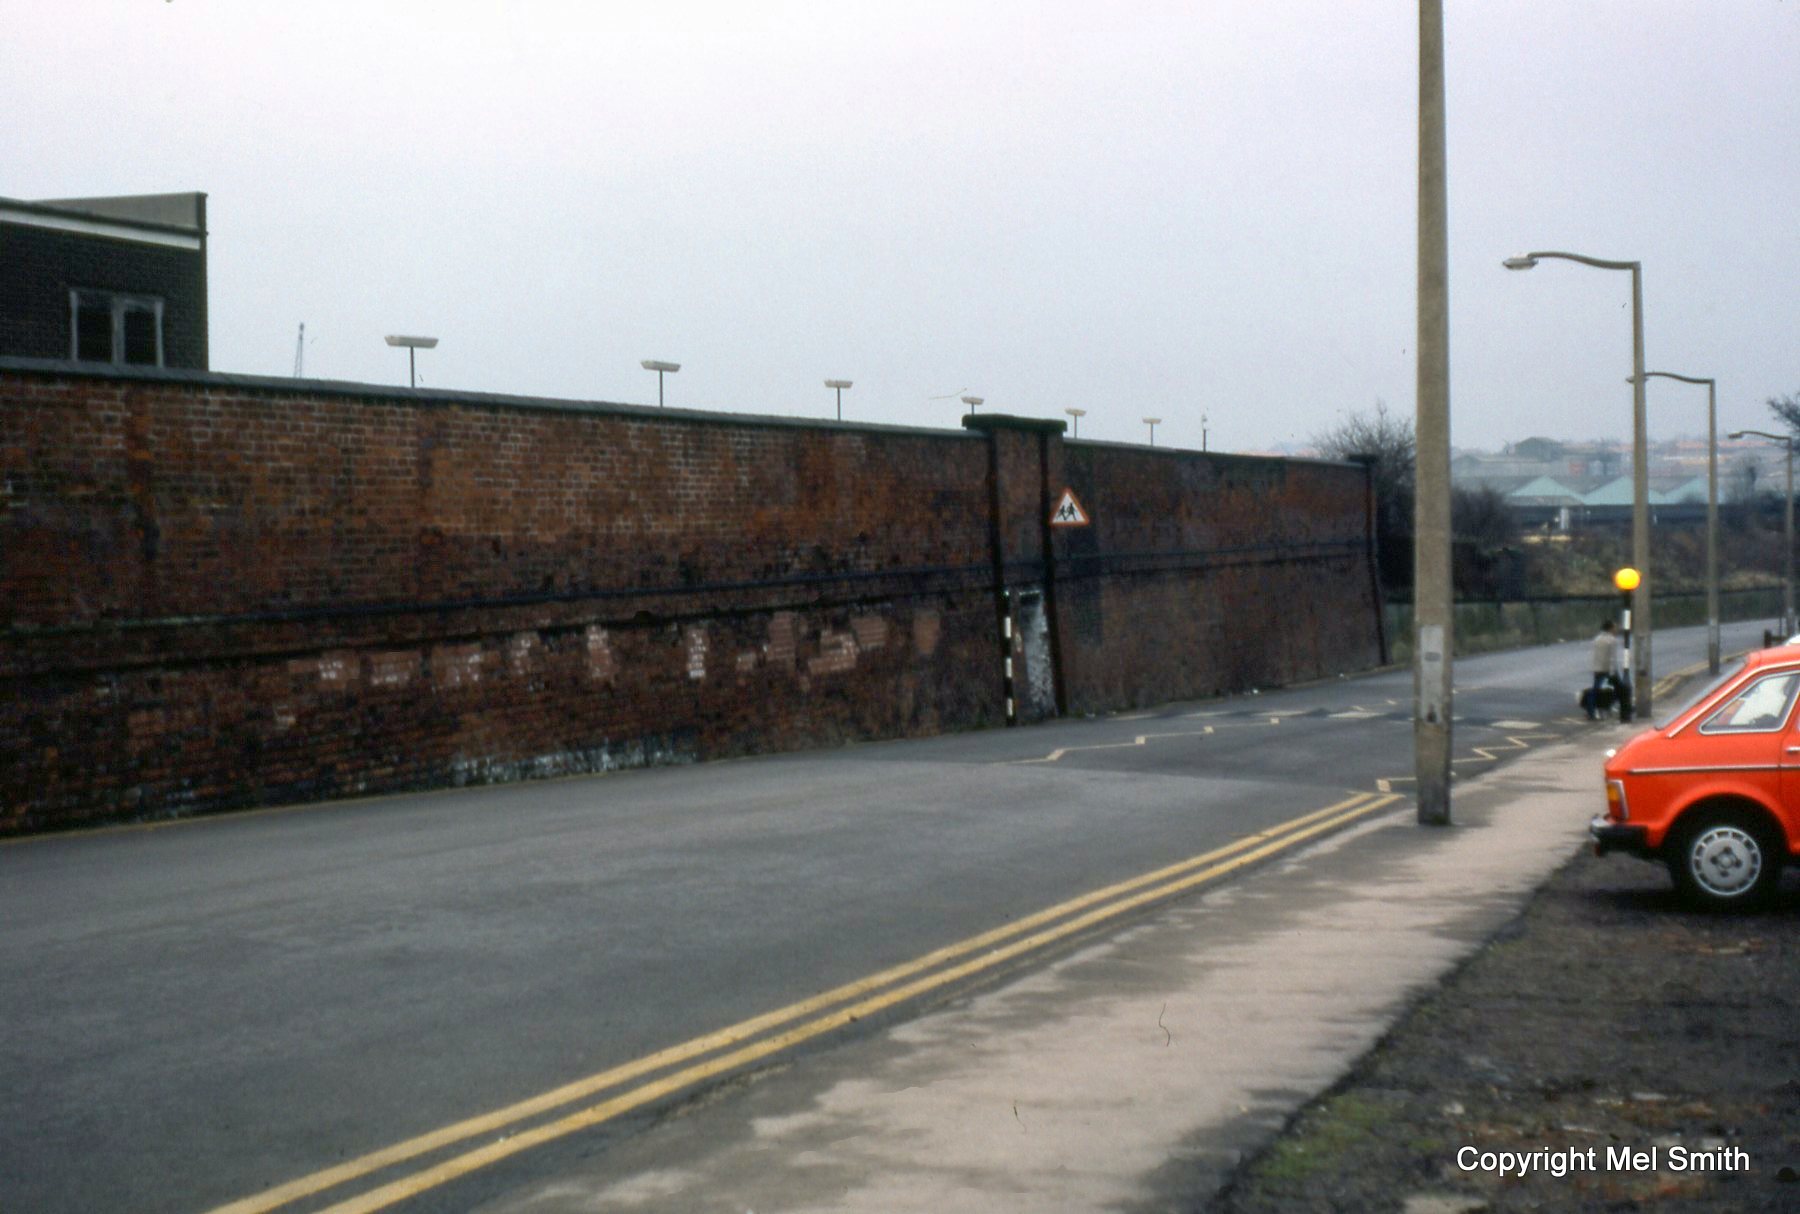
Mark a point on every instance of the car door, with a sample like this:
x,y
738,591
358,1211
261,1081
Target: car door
x,y
1748,743
1790,775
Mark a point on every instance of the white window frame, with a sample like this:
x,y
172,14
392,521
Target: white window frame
x,y
118,303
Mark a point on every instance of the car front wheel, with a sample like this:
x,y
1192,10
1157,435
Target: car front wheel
x,y
1725,858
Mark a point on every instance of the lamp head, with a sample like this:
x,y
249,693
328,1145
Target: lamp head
x,y
837,383
1519,263
655,364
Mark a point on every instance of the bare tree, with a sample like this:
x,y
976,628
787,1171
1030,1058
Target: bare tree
x,y
1482,516
1385,442
1487,560
1740,482
1787,410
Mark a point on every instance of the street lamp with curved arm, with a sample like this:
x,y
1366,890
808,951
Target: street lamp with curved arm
x,y
1528,260
1640,460
1787,564
1712,510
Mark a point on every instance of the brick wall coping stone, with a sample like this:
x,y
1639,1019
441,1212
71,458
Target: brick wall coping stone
x,y
1242,457
979,424
383,394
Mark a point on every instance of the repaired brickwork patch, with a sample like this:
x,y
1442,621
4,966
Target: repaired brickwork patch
x,y
694,641
925,632
601,667
837,654
870,631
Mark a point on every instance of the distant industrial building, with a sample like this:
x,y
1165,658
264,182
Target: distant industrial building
x,y
1567,485
105,280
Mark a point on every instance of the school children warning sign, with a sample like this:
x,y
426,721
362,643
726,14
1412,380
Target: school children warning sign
x,y
1068,512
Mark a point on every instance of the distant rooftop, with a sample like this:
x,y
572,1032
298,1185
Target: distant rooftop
x,y
170,210
176,219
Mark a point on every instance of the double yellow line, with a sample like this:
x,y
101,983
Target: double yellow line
x,y
507,1133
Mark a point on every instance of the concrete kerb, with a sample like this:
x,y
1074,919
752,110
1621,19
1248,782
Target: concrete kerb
x,y
1137,1071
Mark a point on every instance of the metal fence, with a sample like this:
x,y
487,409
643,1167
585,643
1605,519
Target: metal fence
x,y
1485,626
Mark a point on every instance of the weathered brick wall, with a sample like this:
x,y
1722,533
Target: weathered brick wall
x,y
1205,573
221,592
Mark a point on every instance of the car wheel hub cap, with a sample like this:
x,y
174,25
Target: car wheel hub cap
x,y
1725,860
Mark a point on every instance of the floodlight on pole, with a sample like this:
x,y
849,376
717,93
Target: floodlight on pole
x,y
661,368
972,401
1077,415
839,385
1640,458
1152,422
1787,564
412,345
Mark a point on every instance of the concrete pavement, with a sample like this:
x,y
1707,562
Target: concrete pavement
x,y
1134,1072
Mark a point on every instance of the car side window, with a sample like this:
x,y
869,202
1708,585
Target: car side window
x,y
1762,707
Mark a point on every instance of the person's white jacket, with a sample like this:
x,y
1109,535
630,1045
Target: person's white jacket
x,y
1606,653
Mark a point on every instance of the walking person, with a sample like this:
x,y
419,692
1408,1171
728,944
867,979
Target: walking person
x,y
1607,665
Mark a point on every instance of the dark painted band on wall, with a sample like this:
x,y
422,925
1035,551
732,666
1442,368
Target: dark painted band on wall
x,y
883,586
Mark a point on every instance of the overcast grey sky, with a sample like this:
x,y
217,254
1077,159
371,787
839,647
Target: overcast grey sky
x,y
1179,210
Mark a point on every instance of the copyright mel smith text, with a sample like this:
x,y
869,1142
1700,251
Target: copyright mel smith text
x,y
1570,1160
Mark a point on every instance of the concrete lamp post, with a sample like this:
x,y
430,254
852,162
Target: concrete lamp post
x,y
1434,612
412,346
1076,415
972,401
1787,562
839,385
1640,456
1152,422
661,368
1712,511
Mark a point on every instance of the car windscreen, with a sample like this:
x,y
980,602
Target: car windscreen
x,y
1725,676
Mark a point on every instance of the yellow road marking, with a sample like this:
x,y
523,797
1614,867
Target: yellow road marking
x,y
462,1165
1485,754
1222,860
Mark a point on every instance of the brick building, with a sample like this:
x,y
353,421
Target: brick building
x,y
105,280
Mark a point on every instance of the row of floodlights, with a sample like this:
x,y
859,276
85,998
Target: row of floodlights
x,y
414,344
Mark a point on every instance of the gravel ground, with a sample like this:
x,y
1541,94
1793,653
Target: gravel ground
x,y
1608,1018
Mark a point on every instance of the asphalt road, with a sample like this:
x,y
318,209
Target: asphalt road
x,y
199,1011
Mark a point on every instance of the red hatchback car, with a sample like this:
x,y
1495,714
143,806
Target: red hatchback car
x,y
1715,792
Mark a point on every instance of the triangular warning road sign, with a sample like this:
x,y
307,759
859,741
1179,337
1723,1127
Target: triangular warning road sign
x,y
1068,512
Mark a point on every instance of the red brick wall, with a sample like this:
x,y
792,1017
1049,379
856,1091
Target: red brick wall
x,y
222,592
1204,573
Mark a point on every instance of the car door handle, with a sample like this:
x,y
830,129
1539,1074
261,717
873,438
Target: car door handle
x,y
1794,750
